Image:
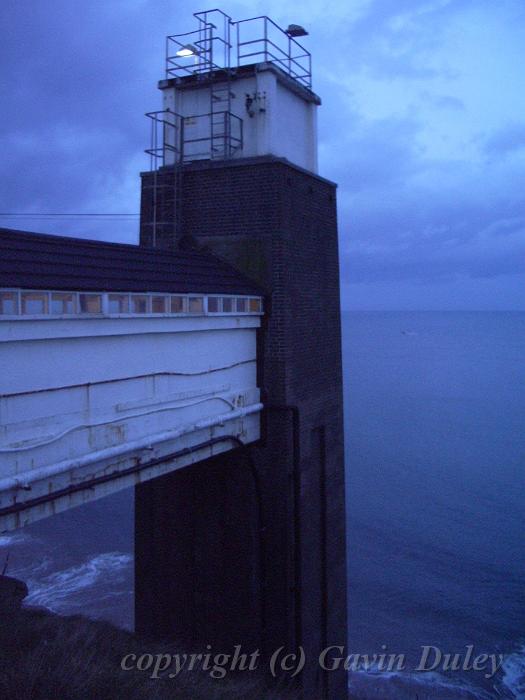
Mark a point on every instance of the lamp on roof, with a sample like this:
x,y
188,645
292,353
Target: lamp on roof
x,y
187,50
296,30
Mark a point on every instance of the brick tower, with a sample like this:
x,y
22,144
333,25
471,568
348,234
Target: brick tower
x,y
249,547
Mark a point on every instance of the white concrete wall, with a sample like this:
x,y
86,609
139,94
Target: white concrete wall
x,y
74,389
283,123
296,136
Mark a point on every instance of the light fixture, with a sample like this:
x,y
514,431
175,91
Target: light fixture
x,y
187,50
296,30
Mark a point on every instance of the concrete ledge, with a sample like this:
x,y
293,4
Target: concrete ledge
x,y
217,76
237,163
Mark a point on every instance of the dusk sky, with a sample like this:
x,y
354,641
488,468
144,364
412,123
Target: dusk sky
x,y
422,126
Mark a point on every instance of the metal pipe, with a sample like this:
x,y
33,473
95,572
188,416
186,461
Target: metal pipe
x,y
97,480
296,477
25,479
110,421
87,385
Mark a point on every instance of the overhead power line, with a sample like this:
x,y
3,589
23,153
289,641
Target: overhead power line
x,y
35,215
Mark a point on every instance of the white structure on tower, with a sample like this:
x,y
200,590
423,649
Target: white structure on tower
x,y
236,89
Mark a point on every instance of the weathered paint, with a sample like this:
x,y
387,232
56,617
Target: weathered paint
x,y
76,389
281,121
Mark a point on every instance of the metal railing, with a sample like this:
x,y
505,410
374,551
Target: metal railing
x,y
176,139
219,44
213,45
165,138
261,39
248,41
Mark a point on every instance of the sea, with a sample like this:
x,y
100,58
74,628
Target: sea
x,y
435,472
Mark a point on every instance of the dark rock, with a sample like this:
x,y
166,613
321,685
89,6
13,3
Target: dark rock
x,y
12,593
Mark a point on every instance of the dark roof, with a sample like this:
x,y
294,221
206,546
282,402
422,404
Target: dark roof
x,y
41,261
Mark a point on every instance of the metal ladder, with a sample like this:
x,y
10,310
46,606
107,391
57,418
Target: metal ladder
x,y
220,109
220,93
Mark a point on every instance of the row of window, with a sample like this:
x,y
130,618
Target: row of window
x,y
40,303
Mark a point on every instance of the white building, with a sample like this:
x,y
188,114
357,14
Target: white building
x,y
119,363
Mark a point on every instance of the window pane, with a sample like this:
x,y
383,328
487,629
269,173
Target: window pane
x,y
158,305
177,305
90,303
255,305
213,305
118,303
227,305
62,303
196,305
34,303
8,303
139,304
242,305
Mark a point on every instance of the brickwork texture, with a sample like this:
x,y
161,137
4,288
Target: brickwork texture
x,y
205,571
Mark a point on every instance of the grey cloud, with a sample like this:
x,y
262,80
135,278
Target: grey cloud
x,y
444,101
431,266
374,154
414,238
395,38
506,140
78,77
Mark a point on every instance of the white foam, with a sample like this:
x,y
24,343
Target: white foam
x,y
59,590
14,539
513,679
30,571
374,680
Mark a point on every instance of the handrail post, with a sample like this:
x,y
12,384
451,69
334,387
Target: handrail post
x,y
181,147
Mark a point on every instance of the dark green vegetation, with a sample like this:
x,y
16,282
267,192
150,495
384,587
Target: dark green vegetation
x,y
47,657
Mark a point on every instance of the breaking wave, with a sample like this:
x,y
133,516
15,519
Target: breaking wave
x,y
513,679
67,591
16,538
376,684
